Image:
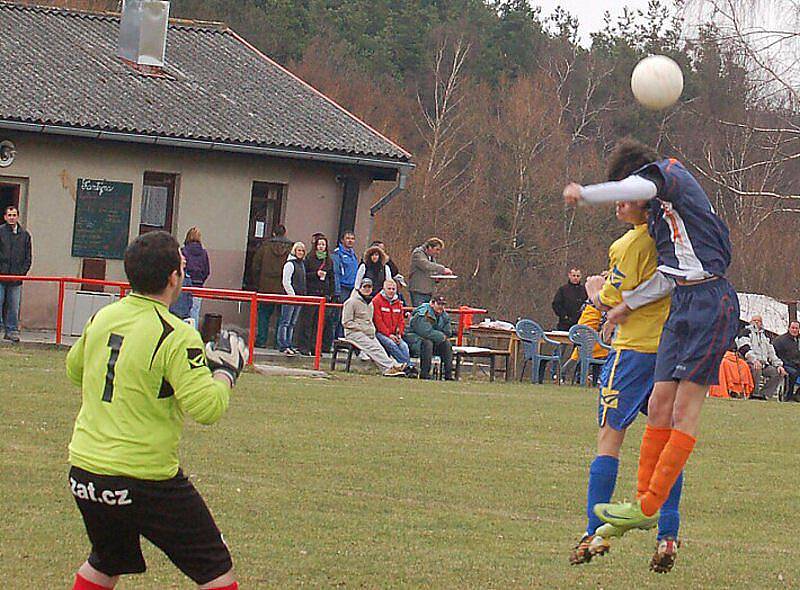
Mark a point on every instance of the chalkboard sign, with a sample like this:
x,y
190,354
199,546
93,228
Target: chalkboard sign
x,y
102,218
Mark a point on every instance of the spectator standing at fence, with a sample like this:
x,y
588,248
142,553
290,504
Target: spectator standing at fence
x,y
267,271
345,267
15,259
357,319
423,266
375,266
294,283
394,271
319,283
428,334
390,322
197,267
569,300
754,345
787,347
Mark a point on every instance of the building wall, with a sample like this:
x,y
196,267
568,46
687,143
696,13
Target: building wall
x,y
213,194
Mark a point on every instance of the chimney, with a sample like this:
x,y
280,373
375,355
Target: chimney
x,y
143,32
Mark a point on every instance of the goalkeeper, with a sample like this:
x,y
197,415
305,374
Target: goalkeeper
x,y
140,370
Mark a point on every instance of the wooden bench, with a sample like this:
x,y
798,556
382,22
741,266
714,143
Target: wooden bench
x,y
461,352
344,345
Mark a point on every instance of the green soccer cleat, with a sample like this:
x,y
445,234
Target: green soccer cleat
x,y
625,516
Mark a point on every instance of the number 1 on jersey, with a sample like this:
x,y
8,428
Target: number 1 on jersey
x,y
115,343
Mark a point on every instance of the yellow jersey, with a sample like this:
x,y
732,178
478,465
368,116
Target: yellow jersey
x,y
633,260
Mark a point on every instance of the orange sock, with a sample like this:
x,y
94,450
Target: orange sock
x,y
653,441
670,464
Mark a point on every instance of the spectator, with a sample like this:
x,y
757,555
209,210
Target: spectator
x,y
428,334
345,266
197,267
390,322
374,265
357,315
294,283
759,353
423,265
319,283
595,319
267,270
15,259
389,262
182,307
787,347
393,270
569,300
735,378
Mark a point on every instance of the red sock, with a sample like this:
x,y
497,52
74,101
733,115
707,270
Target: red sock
x,y
234,586
653,441
82,583
670,464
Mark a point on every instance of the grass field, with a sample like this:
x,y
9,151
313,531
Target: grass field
x,y
373,483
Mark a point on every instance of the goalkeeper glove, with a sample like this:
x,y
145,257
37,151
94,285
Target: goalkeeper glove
x,y
227,354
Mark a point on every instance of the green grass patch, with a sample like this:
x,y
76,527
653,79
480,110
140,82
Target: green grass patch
x,y
369,482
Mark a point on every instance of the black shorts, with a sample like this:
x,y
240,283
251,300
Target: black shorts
x,y
171,514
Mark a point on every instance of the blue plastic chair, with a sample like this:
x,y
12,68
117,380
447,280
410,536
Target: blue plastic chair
x,y
532,335
585,339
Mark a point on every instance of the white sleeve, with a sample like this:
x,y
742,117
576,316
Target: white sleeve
x,y
362,270
388,273
633,188
286,279
656,287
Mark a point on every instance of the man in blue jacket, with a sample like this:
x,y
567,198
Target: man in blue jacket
x,y
345,267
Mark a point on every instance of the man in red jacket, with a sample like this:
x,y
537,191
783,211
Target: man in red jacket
x,y
390,322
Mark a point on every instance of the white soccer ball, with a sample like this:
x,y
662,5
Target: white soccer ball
x,y
657,82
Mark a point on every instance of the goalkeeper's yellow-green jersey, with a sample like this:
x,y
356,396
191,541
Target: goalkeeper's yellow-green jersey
x,y
140,369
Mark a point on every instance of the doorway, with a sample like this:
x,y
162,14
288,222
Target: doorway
x,y
14,191
266,208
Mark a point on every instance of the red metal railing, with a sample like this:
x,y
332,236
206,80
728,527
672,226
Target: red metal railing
x,y
251,297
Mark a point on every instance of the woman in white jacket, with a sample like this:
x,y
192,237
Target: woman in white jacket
x,y
294,283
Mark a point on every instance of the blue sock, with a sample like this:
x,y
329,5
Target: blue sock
x,y
670,519
602,480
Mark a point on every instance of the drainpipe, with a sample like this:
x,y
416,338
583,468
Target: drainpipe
x,y
402,177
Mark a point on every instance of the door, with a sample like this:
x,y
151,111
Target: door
x,y
266,208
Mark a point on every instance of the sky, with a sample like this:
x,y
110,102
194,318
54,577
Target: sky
x,y
589,12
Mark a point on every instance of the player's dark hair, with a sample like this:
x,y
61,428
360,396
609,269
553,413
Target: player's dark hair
x,y
150,260
628,156
8,208
347,232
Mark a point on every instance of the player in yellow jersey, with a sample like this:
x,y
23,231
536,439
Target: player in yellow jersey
x,y
141,370
626,382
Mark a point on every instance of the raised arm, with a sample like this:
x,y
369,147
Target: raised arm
x,y
632,188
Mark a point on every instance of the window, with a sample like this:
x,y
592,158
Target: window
x,y
158,202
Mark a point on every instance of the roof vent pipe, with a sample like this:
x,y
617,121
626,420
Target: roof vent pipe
x,y
143,32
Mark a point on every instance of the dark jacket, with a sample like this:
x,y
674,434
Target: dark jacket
x,y
268,264
376,271
787,347
567,305
15,252
316,286
425,324
197,266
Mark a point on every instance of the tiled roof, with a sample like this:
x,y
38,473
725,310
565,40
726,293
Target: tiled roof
x,y
59,67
